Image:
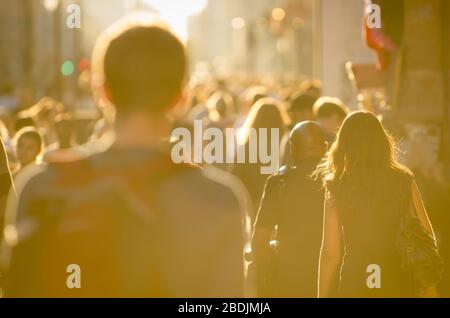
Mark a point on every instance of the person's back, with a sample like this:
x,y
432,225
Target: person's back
x,y
293,201
266,115
121,211
135,223
330,113
370,239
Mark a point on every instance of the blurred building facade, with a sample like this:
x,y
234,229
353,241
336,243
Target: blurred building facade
x,y
34,43
229,35
259,37
15,34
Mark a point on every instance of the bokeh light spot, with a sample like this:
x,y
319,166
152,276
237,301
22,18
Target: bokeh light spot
x,y
67,68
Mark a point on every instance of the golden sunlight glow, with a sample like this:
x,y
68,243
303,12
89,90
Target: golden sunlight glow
x,y
177,13
278,14
51,5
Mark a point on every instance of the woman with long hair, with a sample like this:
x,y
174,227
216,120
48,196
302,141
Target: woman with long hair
x,y
269,114
368,193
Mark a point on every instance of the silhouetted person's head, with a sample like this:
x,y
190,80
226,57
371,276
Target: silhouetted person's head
x,y
307,140
362,143
253,95
330,113
140,67
312,87
28,146
220,106
301,107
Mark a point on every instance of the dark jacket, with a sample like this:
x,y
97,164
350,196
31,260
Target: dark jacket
x,y
293,201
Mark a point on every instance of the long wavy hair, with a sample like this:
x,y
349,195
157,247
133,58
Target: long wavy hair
x,y
361,170
265,113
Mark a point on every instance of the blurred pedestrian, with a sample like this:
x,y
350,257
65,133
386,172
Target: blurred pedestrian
x,y
29,147
369,195
292,204
266,114
330,114
134,222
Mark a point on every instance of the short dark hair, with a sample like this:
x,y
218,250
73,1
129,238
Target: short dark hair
x,y
326,107
301,102
142,66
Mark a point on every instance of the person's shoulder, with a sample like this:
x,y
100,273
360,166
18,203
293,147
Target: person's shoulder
x,y
32,175
31,171
403,174
52,175
217,195
210,184
400,179
281,175
222,181
29,186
